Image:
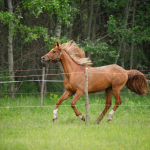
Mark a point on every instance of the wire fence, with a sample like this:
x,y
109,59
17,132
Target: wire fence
x,y
44,81
12,107
39,80
52,74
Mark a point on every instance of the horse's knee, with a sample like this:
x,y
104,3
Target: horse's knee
x,y
57,103
118,103
108,105
72,104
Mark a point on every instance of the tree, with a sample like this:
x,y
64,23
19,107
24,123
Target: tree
x,y
62,8
132,42
110,31
130,30
10,48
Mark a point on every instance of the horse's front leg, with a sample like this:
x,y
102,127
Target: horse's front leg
x,y
75,99
66,95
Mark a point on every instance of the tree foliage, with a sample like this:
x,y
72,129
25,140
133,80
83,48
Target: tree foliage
x,y
108,30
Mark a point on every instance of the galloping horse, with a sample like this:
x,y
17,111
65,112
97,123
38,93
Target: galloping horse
x,y
111,78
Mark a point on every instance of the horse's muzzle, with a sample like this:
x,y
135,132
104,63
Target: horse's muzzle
x,y
43,60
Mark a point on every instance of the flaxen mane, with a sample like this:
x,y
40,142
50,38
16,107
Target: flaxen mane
x,y
76,53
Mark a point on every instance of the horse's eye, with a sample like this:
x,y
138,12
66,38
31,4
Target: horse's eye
x,y
54,51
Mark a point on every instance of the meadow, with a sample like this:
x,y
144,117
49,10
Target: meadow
x,y
29,128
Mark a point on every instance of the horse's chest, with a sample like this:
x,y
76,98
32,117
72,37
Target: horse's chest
x,y
73,84
69,87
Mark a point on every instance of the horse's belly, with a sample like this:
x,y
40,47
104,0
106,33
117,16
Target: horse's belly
x,y
98,82
99,86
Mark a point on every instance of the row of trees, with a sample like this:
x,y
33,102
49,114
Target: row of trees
x,y
110,31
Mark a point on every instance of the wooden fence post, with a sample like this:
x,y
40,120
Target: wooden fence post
x,y
148,81
42,87
86,95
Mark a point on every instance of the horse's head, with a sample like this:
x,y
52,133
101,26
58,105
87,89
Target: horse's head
x,y
53,55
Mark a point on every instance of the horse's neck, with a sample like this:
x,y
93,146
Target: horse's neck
x,y
68,63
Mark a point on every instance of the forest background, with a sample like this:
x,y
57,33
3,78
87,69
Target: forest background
x,y
110,31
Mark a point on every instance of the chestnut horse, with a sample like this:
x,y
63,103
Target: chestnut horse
x,y
111,78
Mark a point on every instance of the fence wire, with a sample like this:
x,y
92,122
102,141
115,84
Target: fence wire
x,y
9,107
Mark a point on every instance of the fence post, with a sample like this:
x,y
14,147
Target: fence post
x,y
42,87
86,96
148,81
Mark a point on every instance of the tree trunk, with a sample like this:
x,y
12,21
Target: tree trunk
x,y
1,46
94,22
132,43
90,20
89,25
127,9
70,30
1,32
58,29
123,55
120,44
10,50
58,34
45,85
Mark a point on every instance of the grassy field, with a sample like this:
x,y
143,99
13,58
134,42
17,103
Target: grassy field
x,y
31,128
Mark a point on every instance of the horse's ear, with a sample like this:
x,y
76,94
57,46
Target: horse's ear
x,y
55,44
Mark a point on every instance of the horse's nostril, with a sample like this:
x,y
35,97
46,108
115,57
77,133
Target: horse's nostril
x,y
42,58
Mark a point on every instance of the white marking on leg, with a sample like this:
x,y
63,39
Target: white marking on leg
x,y
55,113
80,116
110,115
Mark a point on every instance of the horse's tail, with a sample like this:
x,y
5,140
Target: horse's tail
x,y
137,82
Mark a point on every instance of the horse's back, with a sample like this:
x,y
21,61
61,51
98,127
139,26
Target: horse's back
x,y
101,78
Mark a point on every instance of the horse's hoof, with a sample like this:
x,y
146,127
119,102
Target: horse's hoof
x,y
97,121
54,120
109,119
83,118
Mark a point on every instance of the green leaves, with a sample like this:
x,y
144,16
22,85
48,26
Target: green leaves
x,y
27,32
61,8
10,18
7,17
34,33
96,47
118,29
35,6
98,50
141,26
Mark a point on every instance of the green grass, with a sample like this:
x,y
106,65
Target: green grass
x,y
31,128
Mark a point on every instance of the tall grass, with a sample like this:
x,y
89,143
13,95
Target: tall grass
x,y
30,128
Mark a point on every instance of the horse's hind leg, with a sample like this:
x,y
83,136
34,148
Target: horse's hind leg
x,y
117,103
108,97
